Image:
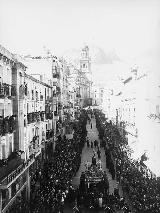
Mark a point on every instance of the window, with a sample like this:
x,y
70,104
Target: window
x,y
32,95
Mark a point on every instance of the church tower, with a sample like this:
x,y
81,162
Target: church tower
x,y
85,62
85,68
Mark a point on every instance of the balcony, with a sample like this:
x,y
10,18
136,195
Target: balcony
x,y
35,117
7,90
14,168
49,115
49,134
7,125
42,115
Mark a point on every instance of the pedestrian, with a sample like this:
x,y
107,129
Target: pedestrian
x,y
88,144
94,160
91,125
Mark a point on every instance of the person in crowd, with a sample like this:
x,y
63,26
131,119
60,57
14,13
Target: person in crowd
x,y
94,160
144,189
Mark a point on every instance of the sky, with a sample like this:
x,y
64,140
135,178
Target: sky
x,y
130,27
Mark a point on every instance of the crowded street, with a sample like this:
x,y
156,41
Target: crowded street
x,y
79,106
87,153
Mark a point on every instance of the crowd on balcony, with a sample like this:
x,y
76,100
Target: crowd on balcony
x,y
140,184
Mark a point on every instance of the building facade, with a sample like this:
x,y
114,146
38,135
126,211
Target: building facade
x,y
134,107
26,128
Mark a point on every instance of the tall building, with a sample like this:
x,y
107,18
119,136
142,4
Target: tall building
x,y
26,128
85,67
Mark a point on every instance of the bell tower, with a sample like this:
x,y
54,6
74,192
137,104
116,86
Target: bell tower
x,y
85,68
85,62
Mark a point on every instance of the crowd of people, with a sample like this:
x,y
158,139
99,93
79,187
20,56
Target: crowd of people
x,y
56,176
100,118
139,183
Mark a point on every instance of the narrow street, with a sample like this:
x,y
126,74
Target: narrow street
x,y
87,154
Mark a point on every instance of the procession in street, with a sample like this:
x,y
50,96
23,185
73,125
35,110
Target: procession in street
x,y
79,106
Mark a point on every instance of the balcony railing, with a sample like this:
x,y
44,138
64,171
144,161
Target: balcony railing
x,y
23,166
7,125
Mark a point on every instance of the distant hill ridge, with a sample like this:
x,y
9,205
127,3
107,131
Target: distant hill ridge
x,y
97,54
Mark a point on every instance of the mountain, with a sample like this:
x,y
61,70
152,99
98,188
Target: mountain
x,y
97,54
